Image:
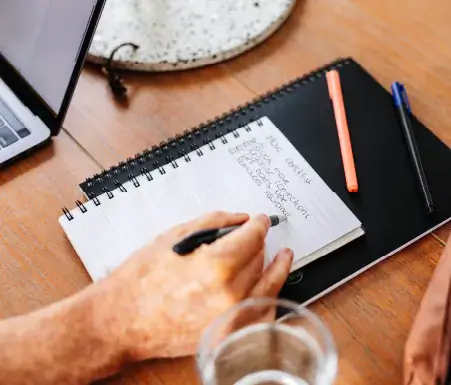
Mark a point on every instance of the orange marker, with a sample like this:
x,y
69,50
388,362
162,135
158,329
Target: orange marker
x,y
336,95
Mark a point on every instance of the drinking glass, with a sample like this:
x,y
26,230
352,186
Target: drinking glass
x,y
267,341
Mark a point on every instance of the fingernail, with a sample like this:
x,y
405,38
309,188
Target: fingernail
x,y
287,254
264,218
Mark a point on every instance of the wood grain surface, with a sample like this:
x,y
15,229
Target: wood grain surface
x,y
370,317
37,264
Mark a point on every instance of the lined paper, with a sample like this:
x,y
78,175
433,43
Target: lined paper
x,y
257,171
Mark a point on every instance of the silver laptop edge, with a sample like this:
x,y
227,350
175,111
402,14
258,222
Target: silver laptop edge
x,y
39,131
23,83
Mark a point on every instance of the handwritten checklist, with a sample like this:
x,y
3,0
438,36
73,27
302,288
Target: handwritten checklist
x,y
268,174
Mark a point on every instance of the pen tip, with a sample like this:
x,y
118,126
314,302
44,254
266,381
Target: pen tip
x,y
277,219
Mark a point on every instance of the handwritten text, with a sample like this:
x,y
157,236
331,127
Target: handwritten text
x,y
259,165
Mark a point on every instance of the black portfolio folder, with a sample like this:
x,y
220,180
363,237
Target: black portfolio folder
x,y
389,203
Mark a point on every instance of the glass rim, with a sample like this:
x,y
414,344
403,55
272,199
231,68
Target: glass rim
x,y
294,307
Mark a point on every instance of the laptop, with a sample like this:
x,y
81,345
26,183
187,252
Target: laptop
x,y
43,46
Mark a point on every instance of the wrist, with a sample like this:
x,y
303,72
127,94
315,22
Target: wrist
x,y
115,322
98,327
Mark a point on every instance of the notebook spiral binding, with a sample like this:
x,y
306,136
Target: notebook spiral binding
x,y
172,151
174,163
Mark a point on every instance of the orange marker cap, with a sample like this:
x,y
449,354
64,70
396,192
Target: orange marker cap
x,y
336,95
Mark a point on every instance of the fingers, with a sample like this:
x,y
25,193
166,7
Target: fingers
x,y
269,286
274,276
248,277
238,248
211,220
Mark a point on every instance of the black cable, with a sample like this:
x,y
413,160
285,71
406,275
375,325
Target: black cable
x,y
115,82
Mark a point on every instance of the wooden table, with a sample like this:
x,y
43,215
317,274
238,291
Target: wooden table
x,y
370,317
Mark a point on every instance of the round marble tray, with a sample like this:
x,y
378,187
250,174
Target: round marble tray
x,y
182,34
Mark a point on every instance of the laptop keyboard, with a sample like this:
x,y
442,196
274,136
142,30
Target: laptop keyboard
x,y
11,129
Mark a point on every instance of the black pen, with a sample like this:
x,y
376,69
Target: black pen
x,y
404,111
195,240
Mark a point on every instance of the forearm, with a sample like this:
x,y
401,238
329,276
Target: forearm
x,y
61,344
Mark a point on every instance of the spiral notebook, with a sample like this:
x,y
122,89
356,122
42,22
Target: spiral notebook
x,y
255,169
223,164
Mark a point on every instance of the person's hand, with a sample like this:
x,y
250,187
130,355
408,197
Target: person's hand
x,y
158,303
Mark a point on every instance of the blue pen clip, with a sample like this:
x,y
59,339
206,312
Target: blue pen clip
x,y
400,95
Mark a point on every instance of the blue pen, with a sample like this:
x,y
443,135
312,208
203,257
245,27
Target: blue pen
x,y
404,111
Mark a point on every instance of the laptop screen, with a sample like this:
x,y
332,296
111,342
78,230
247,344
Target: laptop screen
x,y
42,39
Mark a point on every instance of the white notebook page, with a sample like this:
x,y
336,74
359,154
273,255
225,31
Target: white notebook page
x,y
258,172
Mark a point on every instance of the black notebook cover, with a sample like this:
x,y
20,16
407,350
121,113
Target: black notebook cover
x,y
389,203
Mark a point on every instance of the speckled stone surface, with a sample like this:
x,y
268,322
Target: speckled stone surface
x,y
181,34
